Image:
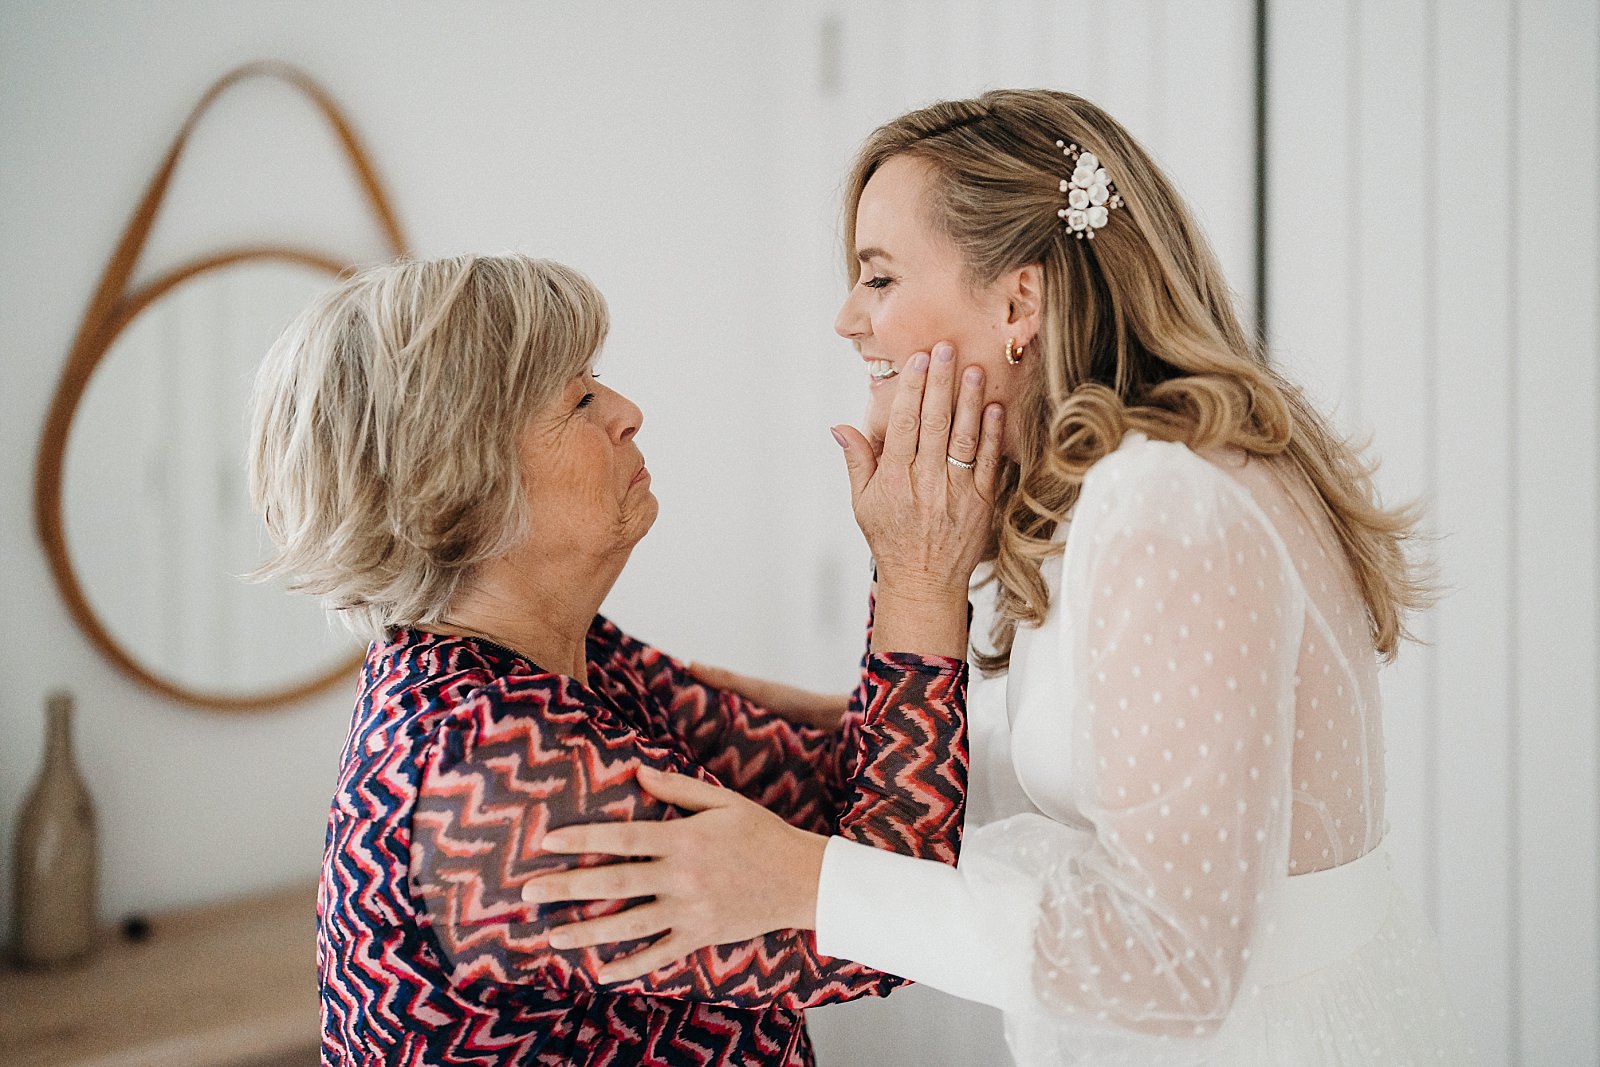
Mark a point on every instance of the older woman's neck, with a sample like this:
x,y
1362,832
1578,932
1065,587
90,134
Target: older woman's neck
x,y
546,620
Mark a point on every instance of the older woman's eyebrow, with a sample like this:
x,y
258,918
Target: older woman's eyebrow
x,y
864,254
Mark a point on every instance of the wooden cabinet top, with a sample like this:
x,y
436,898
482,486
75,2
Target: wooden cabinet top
x,y
219,986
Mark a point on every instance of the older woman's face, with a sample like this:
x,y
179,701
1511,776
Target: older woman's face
x,y
585,477
912,292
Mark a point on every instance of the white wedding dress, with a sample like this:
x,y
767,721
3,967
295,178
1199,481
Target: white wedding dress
x,y
1196,873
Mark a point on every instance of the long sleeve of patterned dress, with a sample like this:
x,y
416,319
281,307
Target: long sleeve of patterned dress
x,y
797,771
1184,629
529,753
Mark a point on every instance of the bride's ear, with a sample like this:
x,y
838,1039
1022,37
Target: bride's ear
x,y
1024,293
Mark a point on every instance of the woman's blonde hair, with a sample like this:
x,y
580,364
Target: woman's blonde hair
x,y
386,423
1138,332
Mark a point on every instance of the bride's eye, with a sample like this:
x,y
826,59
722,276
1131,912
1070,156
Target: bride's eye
x,y
878,282
588,398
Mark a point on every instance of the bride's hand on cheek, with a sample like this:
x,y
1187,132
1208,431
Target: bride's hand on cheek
x,y
926,518
733,871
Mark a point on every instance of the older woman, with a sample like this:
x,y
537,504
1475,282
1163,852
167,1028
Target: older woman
x,y
435,459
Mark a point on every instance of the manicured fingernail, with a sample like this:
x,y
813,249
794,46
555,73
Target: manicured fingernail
x,y
943,352
837,436
532,892
560,941
606,975
993,412
973,376
650,773
555,842
919,362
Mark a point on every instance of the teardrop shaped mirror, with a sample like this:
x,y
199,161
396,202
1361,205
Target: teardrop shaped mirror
x,y
156,510
140,492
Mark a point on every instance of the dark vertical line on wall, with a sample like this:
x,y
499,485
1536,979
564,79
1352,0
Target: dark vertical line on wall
x,y
1513,554
1263,321
1430,447
893,96
1159,83
1352,108
1044,35
830,63
1093,73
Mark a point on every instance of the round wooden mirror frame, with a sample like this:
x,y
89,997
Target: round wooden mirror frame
x,y
112,308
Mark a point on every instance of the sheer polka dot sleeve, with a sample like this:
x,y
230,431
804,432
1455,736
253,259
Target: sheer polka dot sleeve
x,y
1124,932
1188,614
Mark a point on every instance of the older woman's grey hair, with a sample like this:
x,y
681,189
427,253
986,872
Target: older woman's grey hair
x,y
385,424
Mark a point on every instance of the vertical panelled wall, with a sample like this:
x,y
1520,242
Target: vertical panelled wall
x,y
1179,75
1432,273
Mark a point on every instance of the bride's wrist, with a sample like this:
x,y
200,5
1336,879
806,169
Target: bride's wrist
x,y
806,867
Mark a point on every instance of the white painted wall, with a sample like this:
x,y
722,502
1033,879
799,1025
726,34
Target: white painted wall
x,y
688,157
843,68
1434,273
626,147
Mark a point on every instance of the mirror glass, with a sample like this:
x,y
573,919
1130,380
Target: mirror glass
x,y
155,503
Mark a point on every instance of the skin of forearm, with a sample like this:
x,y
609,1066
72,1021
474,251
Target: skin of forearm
x,y
927,624
801,861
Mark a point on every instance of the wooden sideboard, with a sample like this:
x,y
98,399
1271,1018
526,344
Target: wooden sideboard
x,y
231,985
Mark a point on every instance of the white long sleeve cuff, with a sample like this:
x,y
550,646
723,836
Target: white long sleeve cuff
x,y
930,923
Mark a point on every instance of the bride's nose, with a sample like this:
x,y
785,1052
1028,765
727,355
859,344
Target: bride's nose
x,y
851,322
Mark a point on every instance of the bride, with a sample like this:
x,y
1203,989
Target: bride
x,y
1195,587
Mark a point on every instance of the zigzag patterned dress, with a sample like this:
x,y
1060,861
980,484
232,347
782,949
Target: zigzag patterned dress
x,y
463,755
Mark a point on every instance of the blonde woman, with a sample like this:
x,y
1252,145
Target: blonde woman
x,y
1196,586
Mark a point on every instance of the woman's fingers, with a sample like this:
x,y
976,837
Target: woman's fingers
x,y
790,701
614,881
721,678
968,425
684,792
641,921
644,961
938,397
987,472
860,458
905,415
641,838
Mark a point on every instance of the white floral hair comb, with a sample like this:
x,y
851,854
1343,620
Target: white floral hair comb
x,y
1090,194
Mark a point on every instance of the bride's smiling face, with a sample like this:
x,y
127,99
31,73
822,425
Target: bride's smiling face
x,y
912,291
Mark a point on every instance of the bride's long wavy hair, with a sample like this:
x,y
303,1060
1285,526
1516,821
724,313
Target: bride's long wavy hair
x,y
1138,332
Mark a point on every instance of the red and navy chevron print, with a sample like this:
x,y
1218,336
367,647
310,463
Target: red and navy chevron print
x,y
463,755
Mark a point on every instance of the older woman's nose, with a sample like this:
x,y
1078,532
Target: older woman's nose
x,y
626,419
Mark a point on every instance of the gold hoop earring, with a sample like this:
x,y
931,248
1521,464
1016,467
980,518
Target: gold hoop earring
x,y
1013,351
